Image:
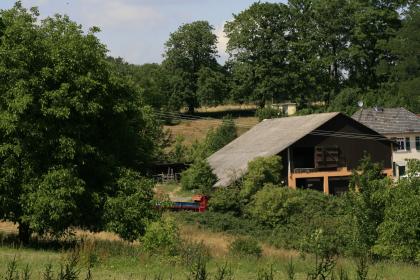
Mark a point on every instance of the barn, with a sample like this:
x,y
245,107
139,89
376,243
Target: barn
x,y
318,151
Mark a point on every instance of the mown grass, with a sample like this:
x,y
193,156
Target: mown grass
x,y
196,130
113,258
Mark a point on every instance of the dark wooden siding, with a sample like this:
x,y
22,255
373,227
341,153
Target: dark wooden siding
x,y
351,150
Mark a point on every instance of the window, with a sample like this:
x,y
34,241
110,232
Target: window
x,y
400,144
418,143
407,144
401,170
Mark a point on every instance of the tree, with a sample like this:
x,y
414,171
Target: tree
x,y
258,47
150,80
261,171
128,212
199,176
212,87
189,49
366,205
403,64
399,233
67,124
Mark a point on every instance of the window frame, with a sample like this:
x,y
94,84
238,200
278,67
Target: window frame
x,y
398,142
417,141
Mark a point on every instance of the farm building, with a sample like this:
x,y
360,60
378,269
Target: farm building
x,y
318,151
399,125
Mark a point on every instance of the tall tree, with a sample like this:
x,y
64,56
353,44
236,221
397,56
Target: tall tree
x,y
258,49
68,125
190,48
403,65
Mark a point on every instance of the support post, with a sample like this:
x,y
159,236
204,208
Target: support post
x,y
326,185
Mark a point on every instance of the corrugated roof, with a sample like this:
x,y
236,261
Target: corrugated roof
x,y
388,120
267,138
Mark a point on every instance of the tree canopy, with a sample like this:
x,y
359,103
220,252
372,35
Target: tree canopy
x,y
67,124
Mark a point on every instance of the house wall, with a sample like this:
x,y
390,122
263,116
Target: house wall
x,y
400,157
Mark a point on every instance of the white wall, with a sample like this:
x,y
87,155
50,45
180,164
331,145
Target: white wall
x,y
399,157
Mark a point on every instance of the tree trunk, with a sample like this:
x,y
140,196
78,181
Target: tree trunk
x,y
190,109
24,233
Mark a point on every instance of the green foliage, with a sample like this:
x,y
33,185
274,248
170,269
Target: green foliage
x,y
199,176
50,205
399,235
268,113
365,205
273,205
261,170
131,209
258,50
346,101
68,122
221,136
162,237
212,87
226,200
188,50
245,247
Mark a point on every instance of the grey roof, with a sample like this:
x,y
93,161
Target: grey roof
x,y
388,120
267,138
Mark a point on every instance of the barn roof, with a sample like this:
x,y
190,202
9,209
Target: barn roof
x,y
388,120
267,138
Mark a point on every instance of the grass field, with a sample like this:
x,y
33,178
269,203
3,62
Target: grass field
x,y
196,130
115,259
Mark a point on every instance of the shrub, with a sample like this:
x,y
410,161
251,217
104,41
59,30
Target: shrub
x,y
268,113
261,170
198,176
162,237
221,136
245,247
224,222
226,200
399,236
272,205
128,212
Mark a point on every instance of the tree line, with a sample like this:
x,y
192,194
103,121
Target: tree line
x,y
324,52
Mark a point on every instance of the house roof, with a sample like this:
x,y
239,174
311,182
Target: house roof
x,y
267,138
388,120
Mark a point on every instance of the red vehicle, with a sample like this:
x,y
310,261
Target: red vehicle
x,y
199,204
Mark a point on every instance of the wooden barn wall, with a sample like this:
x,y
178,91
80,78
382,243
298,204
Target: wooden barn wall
x,y
352,150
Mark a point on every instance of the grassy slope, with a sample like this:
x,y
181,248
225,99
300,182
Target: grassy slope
x,y
119,260
196,130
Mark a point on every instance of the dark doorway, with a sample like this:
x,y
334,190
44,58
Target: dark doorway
x,y
338,185
310,183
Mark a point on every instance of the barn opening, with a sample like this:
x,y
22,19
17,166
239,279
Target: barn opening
x,y
310,183
338,185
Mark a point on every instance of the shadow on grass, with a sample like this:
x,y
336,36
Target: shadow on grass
x,y
234,113
71,242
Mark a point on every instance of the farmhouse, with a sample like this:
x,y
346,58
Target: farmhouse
x,y
318,151
399,125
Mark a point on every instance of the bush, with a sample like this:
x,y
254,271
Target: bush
x,y
223,222
245,247
198,176
162,237
399,235
261,170
226,200
128,212
218,138
273,205
268,113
